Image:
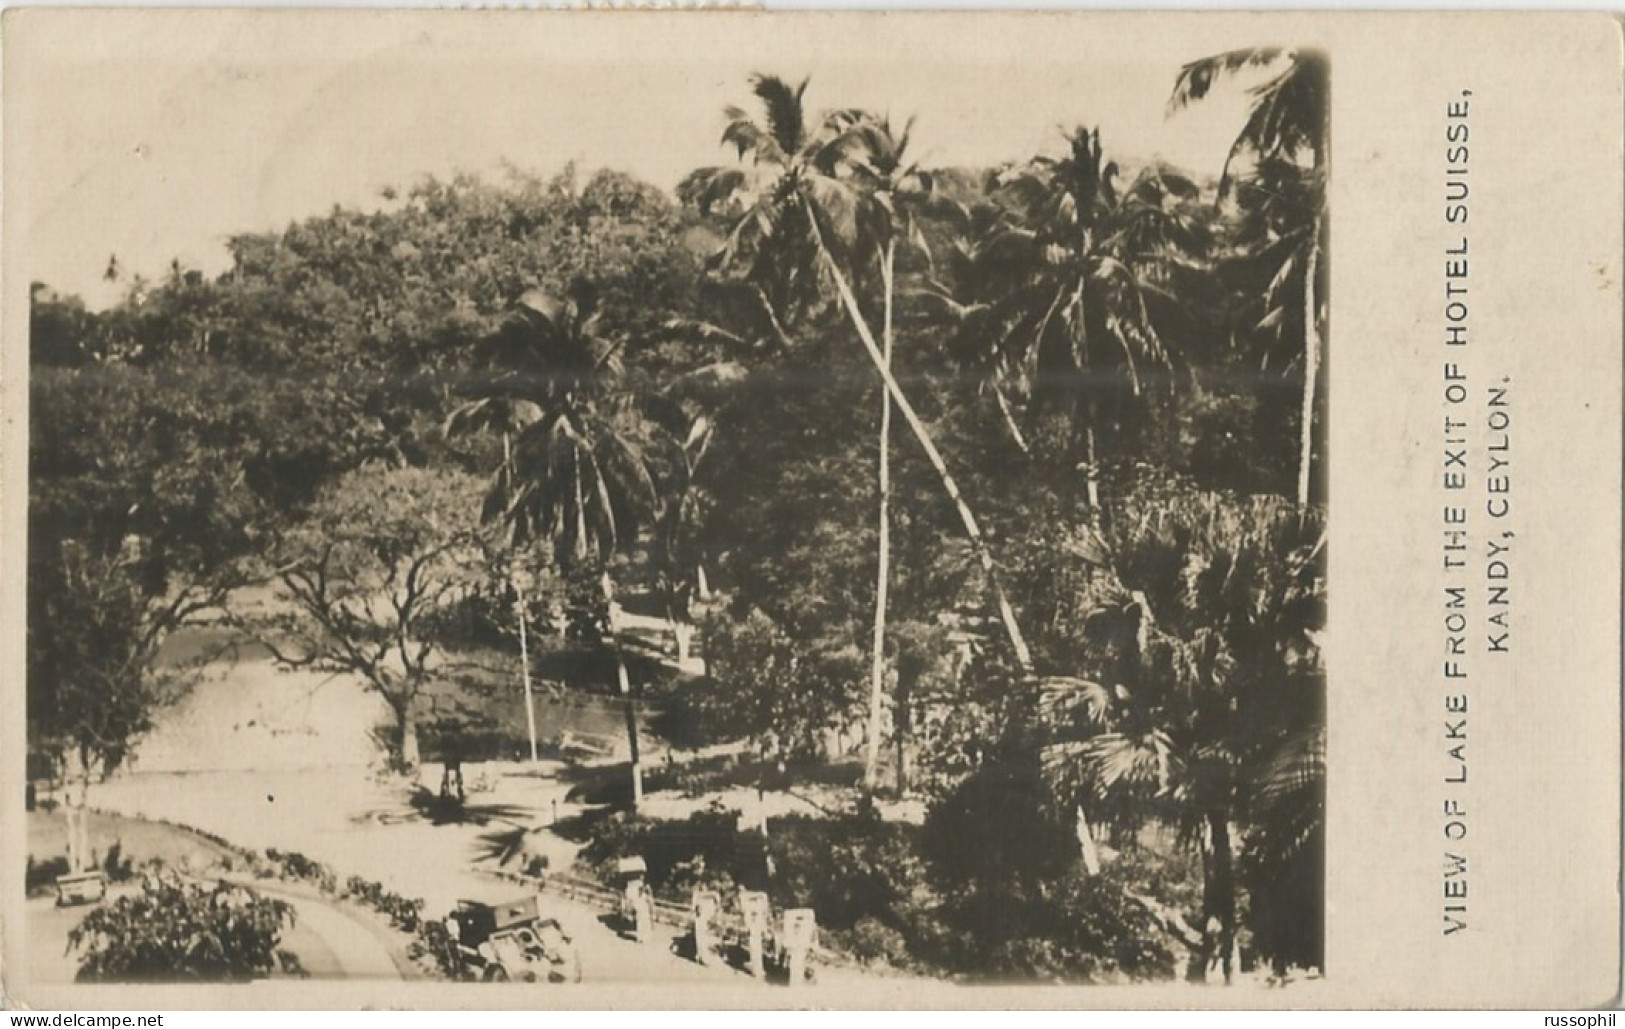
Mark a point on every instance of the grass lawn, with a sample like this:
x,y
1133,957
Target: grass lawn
x,y
138,840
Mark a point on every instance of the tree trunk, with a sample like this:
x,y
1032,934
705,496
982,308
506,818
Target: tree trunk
x,y
1311,367
1091,471
702,593
623,682
519,608
78,838
683,633
407,734
1010,420
524,667
77,818
973,531
877,671
1219,896
1086,843
902,730
680,620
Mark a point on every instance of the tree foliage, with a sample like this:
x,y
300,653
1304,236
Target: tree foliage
x,y
368,580
1115,368
773,689
174,930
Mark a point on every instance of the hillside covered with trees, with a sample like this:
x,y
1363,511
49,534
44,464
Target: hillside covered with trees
x,y
997,490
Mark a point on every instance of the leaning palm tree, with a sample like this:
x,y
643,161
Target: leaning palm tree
x,y
805,215
577,474
1286,122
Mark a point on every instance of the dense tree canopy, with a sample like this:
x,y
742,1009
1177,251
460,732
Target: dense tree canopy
x,y
1088,611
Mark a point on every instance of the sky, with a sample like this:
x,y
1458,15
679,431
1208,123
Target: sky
x,y
160,137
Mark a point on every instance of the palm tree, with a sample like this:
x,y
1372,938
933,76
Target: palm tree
x,y
963,300
1286,123
805,214
689,408
507,415
1279,237
1160,751
1205,705
1066,293
876,157
577,474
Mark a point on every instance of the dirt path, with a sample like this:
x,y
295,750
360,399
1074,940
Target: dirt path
x,y
345,949
361,827
264,759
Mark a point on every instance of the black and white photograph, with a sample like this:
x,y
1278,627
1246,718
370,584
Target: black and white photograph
x,y
879,549
784,512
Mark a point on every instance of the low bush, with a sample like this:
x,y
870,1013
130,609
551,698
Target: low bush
x,y
873,942
292,866
42,875
1080,928
405,913
179,931
945,898
863,877
115,865
702,850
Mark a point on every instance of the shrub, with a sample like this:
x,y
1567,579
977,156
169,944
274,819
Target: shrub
x,y
434,949
178,931
870,882
292,866
42,874
404,913
1022,907
873,942
989,832
849,869
703,849
1079,928
115,865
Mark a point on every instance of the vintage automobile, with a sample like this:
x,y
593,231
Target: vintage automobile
x,y
513,940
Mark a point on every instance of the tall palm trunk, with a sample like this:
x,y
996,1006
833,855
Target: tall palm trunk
x,y
1311,366
877,672
524,667
1016,435
902,730
1219,895
624,682
519,609
1091,462
973,531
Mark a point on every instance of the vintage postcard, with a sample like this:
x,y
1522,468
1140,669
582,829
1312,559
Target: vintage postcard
x,y
746,510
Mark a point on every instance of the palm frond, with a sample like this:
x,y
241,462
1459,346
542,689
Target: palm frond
x,y
837,205
781,102
1065,696
1197,78
707,189
748,138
